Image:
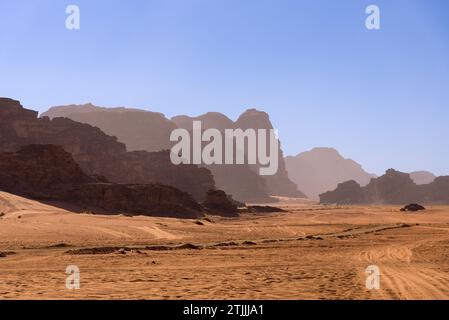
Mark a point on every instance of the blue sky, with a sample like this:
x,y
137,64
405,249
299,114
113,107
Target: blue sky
x,y
379,97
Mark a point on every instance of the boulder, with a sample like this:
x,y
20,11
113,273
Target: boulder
x,y
413,207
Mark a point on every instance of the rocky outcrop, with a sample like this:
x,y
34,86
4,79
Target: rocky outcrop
x,y
349,192
143,199
392,188
322,169
436,192
413,207
96,152
262,209
278,184
40,172
218,203
47,172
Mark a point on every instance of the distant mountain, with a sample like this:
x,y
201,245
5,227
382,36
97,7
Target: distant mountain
x,y
322,169
138,129
208,120
229,177
393,187
422,177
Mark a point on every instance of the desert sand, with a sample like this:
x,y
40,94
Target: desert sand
x,y
310,252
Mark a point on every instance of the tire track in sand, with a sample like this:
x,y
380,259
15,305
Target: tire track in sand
x,y
403,279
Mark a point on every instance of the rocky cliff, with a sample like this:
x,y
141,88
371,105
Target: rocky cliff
x,y
144,130
47,172
96,152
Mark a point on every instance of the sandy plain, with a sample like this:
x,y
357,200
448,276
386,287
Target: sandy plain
x,y
310,252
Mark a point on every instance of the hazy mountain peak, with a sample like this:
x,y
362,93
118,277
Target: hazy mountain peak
x,y
422,177
130,126
321,151
322,169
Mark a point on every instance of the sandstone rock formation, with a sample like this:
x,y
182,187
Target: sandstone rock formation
x,y
349,192
40,172
96,152
217,202
322,169
47,172
244,181
280,183
144,130
392,188
144,199
436,192
262,209
137,129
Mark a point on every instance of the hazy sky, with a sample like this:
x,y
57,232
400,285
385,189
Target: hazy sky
x,y
379,97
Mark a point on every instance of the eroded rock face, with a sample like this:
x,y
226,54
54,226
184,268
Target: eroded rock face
x,y
349,192
392,188
144,199
40,171
217,202
47,172
150,131
436,192
278,184
96,152
244,181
